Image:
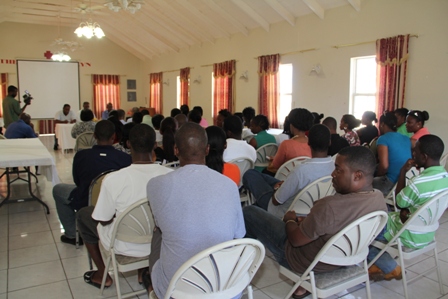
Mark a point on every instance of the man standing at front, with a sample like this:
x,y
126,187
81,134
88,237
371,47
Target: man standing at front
x,y
64,116
195,207
11,107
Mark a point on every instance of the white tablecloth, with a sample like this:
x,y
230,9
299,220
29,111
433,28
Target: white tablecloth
x,y
28,152
64,135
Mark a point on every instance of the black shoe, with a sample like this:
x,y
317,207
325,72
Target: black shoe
x,y
55,147
65,239
146,278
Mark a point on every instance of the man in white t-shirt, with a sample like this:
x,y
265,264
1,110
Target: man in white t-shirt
x,y
64,116
119,190
236,148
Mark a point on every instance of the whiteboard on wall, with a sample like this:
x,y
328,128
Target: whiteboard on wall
x,y
51,84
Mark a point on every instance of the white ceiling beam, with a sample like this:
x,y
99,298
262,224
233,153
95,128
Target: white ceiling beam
x,y
356,4
316,8
282,11
228,17
252,13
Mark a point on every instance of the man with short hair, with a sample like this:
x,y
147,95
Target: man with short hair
x,y
85,106
222,115
87,164
133,111
295,241
420,189
21,128
63,116
11,107
337,141
121,114
248,114
156,121
181,119
236,148
276,196
176,200
119,190
105,113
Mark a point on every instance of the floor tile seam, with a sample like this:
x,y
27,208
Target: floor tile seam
x,y
39,231
43,284
36,263
34,245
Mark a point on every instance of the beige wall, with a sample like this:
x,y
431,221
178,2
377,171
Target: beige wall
x,y
328,93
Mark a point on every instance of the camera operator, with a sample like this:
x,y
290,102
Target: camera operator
x,y
11,107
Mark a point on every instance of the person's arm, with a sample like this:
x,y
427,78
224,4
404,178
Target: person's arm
x,y
276,187
383,157
401,183
292,226
253,142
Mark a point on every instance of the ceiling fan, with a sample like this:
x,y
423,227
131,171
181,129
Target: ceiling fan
x,y
85,9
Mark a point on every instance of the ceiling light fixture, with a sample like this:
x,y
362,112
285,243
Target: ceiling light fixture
x,y
130,5
89,29
60,56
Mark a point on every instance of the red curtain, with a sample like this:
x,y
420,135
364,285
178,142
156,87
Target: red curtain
x,y
268,89
391,56
185,86
155,91
224,87
4,88
106,89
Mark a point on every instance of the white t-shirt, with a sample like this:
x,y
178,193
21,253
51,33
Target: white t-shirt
x,y
119,190
69,117
237,149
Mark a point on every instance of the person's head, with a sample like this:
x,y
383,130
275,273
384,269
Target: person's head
x,y
287,127
104,132
388,122
368,117
248,114
233,127
86,105
416,120
114,114
86,115
259,123
191,145
118,127
354,168
66,109
222,115
300,119
428,150
317,117
125,134
331,123
240,115
194,116
401,114
349,122
168,128
109,107
184,109
181,119
121,114
137,117
142,139
174,112
319,138
26,118
156,120
199,109
12,91
144,112
217,144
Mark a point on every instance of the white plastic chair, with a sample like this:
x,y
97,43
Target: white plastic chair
x,y
348,249
284,170
334,157
85,140
424,220
221,271
134,225
305,199
244,164
390,197
269,149
444,160
172,165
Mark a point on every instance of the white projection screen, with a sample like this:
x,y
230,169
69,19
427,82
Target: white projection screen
x,y
51,84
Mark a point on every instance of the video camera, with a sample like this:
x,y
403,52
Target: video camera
x,y
27,97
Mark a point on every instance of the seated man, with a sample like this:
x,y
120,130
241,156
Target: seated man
x,y
420,189
105,113
236,147
87,164
64,116
23,128
295,241
337,141
129,186
195,207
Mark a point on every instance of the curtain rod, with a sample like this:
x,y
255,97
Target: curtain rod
x,y
362,43
295,52
106,74
205,65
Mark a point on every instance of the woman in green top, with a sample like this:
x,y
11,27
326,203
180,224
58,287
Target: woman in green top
x,y
401,114
258,125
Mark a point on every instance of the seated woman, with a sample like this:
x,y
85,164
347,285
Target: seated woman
x,y
301,121
258,125
286,134
394,149
168,128
369,132
85,125
122,145
401,114
217,142
414,124
348,123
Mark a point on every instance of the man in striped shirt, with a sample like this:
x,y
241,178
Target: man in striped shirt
x,y
420,189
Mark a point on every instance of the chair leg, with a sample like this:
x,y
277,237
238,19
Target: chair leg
x,y
106,270
250,294
76,234
403,269
117,283
313,285
369,296
439,274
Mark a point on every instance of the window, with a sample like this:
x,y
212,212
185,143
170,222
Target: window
x,y
178,92
285,103
362,85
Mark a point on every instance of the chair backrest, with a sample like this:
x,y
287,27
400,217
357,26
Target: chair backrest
x,y
84,141
284,170
304,200
173,165
444,160
411,173
269,149
244,164
95,187
221,271
2,137
135,224
248,138
334,157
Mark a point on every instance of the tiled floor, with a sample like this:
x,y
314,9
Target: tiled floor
x,y
34,264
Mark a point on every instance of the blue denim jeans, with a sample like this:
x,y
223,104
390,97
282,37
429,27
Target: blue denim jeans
x,y
383,184
385,262
261,186
66,214
268,229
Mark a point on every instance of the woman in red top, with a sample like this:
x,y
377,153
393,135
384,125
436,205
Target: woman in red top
x,y
414,124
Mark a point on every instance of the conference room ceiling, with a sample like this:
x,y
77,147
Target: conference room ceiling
x,y
163,26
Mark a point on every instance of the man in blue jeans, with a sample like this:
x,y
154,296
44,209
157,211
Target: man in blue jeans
x,y
295,241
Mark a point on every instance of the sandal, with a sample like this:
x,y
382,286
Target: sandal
x,y
88,279
301,296
146,278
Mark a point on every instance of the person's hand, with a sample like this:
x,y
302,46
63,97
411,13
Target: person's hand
x,y
73,121
277,185
404,215
65,122
408,165
290,215
300,219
